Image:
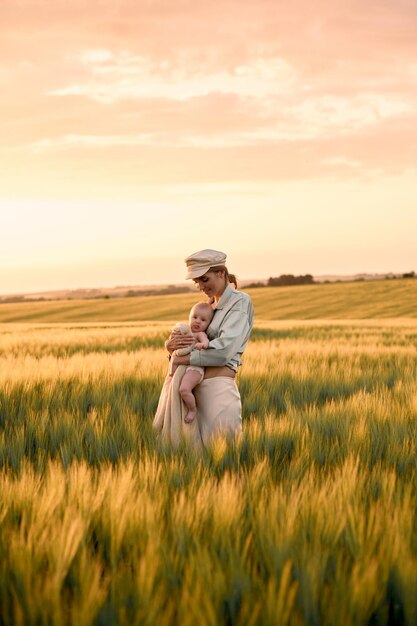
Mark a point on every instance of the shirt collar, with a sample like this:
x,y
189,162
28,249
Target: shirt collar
x,y
226,295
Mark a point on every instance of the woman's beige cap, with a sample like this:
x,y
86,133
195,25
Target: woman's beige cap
x,y
200,262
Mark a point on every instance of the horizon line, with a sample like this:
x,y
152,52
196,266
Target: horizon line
x,y
335,277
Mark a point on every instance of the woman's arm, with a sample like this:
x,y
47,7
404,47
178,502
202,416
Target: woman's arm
x,y
181,360
234,332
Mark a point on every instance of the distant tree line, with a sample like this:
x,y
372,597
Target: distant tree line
x,y
284,280
170,289
19,299
131,293
290,279
307,279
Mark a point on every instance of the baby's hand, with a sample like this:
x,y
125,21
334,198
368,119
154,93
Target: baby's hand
x,y
201,345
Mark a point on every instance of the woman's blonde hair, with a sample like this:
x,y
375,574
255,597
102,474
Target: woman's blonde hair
x,y
230,278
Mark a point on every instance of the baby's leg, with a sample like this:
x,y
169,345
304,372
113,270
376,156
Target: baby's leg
x,y
190,380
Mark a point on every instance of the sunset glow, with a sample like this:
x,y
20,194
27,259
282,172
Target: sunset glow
x,y
134,133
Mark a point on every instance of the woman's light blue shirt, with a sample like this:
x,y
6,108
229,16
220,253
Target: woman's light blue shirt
x,y
228,332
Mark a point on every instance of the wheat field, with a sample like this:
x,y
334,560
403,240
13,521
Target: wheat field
x,y
309,520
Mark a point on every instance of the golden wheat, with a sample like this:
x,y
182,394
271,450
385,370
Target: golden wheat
x,y
310,519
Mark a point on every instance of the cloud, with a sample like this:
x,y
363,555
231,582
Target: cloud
x,y
115,77
264,78
343,161
273,119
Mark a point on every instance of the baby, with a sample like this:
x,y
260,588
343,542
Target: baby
x,y
200,317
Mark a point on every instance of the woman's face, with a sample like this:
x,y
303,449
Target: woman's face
x,y
212,283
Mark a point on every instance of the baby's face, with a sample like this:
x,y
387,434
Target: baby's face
x,y
200,318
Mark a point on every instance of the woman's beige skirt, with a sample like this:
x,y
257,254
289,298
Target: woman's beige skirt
x,y
219,409
218,412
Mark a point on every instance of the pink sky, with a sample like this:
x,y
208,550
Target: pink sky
x,y
167,104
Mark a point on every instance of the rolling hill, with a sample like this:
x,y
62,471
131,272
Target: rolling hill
x,y
357,300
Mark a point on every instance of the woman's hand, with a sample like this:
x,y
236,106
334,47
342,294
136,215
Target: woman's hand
x,y
178,340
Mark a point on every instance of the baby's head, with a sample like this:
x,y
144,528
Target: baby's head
x,y
200,317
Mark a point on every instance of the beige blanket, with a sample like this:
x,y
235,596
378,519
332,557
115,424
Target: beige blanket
x,y
169,417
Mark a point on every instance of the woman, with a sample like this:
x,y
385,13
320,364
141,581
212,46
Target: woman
x,y
217,396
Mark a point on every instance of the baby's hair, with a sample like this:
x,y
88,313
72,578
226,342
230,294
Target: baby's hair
x,y
204,305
